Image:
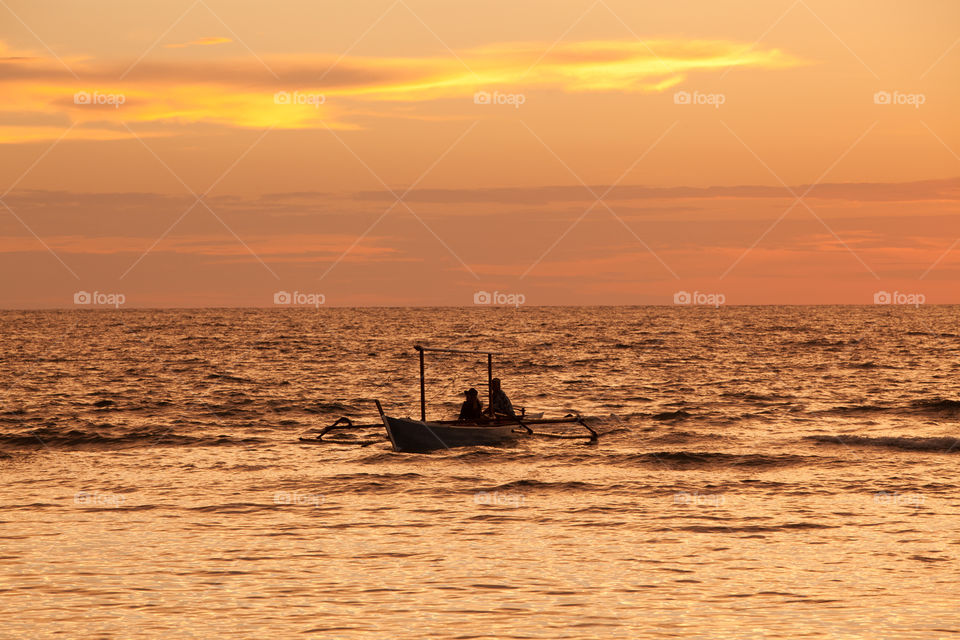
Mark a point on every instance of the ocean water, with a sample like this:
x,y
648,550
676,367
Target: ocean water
x,y
762,472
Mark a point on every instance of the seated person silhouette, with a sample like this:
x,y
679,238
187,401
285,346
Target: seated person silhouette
x,y
499,402
472,408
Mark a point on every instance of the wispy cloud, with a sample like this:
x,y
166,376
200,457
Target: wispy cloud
x,y
946,190
301,248
200,42
239,93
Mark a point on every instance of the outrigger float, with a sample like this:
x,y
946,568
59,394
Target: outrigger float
x,y
421,436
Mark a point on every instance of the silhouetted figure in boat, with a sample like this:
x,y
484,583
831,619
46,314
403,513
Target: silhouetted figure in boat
x,y
472,408
499,402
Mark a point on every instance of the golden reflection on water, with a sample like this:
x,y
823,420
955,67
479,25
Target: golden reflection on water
x,y
204,551
719,503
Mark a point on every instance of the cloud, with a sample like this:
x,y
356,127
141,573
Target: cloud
x,y
200,42
947,189
301,234
625,66
291,248
324,223
242,92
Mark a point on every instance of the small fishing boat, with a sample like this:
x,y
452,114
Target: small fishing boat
x,y
421,436
418,436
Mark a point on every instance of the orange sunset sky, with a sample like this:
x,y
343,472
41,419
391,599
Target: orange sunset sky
x,y
411,152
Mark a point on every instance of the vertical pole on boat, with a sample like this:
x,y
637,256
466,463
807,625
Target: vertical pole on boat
x,y
489,380
423,391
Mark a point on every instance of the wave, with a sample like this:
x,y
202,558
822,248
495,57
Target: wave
x,y
820,342
228,377
364,476
503,453
939,405
869,364
541,485
75,439
331,407
689,459
686,436
754,397
680,414
904,443
854,409
232,508
789,526
379,458
614,431
933,407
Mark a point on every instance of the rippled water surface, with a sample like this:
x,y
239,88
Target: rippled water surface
x,y
761,473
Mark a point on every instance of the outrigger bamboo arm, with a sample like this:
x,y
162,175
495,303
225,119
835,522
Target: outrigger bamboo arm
x,y
345,423
594,436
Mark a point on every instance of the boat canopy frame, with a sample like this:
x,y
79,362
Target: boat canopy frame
x,y
521,422
423,385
